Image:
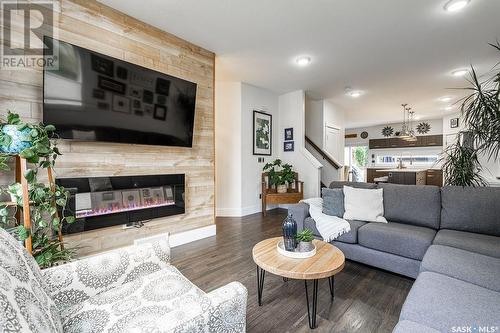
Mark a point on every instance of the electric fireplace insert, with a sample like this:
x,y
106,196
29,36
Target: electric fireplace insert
x,y
100,202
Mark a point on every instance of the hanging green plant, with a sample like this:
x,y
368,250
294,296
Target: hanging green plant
x,y
38,145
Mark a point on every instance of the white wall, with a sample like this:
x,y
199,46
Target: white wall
x,y
228,148
314,121
255,98
491,167
335,116
319,114
292,114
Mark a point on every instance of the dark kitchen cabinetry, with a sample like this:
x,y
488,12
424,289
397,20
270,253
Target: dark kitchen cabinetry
x,y
407,178
378,143
434,177
371,174
422,141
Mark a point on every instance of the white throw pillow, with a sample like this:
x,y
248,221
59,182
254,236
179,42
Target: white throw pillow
x,y
364,204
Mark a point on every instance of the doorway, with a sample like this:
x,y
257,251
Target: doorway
x,y
356,158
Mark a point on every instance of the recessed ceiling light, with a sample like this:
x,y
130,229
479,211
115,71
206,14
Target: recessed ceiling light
x,y
448,108
460,72
445,99
455,5
303,61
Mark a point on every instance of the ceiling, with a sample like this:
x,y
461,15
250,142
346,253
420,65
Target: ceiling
x,y
397,51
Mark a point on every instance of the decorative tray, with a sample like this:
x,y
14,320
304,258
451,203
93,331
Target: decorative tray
x,y
294,254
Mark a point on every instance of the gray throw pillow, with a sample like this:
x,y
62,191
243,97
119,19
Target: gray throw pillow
x,y
333,201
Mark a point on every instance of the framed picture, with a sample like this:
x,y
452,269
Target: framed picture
x,y
160,112
102,65
288,146
121,104
111,85
288,134
262,133
162,86
454,122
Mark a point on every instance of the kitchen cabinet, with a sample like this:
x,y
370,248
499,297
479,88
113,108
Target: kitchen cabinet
x,y
372,173
407,177
434,177
378,143
422,141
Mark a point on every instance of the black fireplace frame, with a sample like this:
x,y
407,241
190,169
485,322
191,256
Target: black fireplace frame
x,y
101,186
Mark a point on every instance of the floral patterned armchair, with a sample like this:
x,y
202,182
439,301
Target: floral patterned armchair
x,y
133,289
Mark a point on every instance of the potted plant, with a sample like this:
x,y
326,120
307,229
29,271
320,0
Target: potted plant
x,y
37,144
305,238
279,175
481,137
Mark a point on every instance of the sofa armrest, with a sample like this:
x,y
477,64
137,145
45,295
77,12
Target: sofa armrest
x,y
228,308
72,283
299,212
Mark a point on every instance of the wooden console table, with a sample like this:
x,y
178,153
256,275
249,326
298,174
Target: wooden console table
x,y
270,196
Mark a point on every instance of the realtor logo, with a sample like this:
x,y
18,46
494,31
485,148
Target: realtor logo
x,y
24,25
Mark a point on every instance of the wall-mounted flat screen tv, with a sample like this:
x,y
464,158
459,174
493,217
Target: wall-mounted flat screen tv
x,y
89,96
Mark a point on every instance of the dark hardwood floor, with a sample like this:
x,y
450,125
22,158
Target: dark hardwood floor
x,y
366,299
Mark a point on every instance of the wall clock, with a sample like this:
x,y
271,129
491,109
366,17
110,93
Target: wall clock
x,y
364,135
387,131
423,128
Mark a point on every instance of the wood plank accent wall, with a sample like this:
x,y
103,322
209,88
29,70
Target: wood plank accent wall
x,y
97,27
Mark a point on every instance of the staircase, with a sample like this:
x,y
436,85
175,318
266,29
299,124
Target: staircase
x,y
331,169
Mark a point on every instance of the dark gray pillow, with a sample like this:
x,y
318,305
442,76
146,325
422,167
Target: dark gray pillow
x,y
333,201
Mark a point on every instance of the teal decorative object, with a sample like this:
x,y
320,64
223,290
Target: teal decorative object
x,y
20,140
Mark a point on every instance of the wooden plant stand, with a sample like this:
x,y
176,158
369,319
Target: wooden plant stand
x,y
270,196
21,168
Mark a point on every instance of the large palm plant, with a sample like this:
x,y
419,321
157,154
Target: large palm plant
x,y
481,117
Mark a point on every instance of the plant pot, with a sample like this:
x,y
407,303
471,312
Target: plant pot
x,y
20,140
281,188
305,246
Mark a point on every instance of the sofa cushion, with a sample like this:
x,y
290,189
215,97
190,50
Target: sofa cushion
x,y
348,237
478,243
333,201
408,326
159,301
472,209
442,302
339,184
351,236
26,307
412,204
463,265
396,238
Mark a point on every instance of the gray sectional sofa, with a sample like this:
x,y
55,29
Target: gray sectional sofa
x,y
447,238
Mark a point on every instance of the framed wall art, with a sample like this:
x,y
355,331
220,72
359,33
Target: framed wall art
x,y
262,133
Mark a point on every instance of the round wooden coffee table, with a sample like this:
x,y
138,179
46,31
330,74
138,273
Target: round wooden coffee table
x,y
327,262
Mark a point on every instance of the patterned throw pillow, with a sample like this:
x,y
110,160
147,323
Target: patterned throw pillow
x,y
25,305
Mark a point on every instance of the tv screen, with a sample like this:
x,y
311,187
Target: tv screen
x,y
89,96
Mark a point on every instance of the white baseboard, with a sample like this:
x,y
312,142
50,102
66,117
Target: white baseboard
x,y
192,235
228,212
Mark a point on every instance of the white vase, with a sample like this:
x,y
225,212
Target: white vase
x,y
281,188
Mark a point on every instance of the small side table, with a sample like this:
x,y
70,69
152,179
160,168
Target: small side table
x,y
327,262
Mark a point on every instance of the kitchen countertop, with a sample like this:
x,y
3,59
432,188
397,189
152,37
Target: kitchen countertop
x,y
402,170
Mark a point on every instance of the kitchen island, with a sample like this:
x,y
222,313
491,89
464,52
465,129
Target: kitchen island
x,y
407,176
